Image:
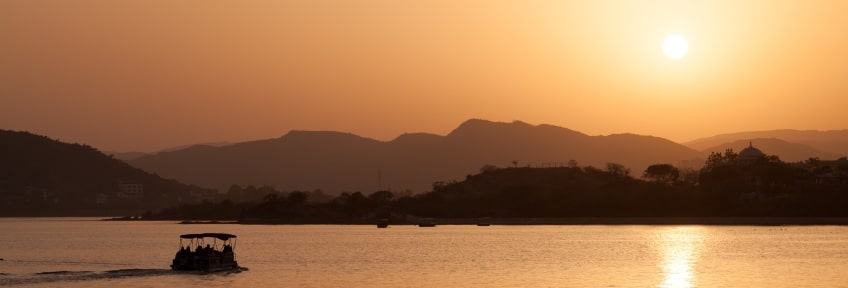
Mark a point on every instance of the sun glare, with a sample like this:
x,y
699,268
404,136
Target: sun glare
x,y
675,46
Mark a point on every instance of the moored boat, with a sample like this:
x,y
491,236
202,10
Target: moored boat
x,y
210,254
484,221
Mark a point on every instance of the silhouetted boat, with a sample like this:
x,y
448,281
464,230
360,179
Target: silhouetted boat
x,y
383,223
209,257
427,223
485,221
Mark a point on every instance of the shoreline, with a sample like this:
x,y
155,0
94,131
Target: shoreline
x,y
659,221
743,221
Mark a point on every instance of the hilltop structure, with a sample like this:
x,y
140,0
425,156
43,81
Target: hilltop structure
x,y
750,154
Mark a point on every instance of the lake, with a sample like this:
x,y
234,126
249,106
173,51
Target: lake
x,y
82,252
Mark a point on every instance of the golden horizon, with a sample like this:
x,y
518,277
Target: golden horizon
x,y
141,76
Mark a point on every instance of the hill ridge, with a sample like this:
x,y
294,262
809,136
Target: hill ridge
x,y
338,161
40,176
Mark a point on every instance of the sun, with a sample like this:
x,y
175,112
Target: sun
x,y
675,46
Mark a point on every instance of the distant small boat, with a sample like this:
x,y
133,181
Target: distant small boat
x,y
207,222
383,223
485,221
427,224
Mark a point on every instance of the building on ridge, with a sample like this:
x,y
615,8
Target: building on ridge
x,y
749,155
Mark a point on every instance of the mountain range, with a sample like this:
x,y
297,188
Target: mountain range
x,y
337,162
343,162
823,144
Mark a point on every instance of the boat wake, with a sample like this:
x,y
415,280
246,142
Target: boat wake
x,y
7,279
62,276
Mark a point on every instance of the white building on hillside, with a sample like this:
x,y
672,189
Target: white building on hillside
x,y
131,191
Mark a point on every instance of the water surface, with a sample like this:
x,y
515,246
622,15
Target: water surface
x,y
69,252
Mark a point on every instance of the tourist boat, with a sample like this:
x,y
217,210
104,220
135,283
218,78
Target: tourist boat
x,y
210,254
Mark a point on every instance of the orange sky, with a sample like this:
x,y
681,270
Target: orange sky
x,y
150,74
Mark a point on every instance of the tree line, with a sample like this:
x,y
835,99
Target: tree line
x,y
723,187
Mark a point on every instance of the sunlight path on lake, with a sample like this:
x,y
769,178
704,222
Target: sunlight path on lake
x,y
681,247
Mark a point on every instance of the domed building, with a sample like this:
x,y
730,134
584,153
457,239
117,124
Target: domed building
x,y
749,155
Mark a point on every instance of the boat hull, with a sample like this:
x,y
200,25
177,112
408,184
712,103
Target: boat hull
x,y
206,264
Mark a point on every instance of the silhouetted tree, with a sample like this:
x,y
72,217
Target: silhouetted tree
x,y
488,168
381,197
318,196
662,173
717,159
439,186
689,176
618,169
297,198
234,191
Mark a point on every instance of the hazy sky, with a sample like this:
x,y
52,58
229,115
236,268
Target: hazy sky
x,y
145,75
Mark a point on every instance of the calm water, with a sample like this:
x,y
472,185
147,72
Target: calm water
x,y
84,253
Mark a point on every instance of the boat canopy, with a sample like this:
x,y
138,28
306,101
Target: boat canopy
x,y
221,236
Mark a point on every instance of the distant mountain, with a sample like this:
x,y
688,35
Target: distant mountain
x,y
788,152
833,141
337,162
41,177
181,147
127,156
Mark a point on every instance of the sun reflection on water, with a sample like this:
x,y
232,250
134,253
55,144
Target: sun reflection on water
x,y
681,251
